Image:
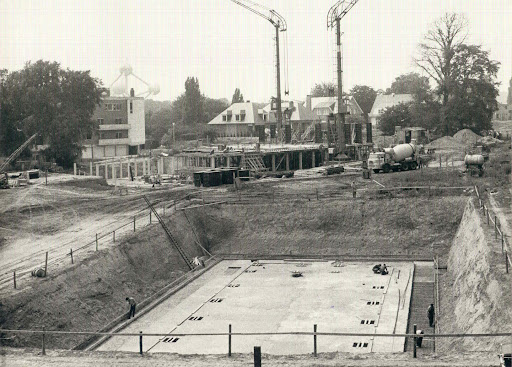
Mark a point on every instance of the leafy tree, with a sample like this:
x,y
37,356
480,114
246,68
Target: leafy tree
x,y
365,96
193,102
58,104
324,90
412,83
464,74
237,97
213,107
399,115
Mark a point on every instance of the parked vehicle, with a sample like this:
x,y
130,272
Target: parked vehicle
x,y
401,157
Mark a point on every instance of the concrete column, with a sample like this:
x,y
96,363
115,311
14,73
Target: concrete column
x,y
120,168
74,169
144,166
273,162
106,171
212,162
90,169
228,161
313,159
97,170
300,160
113,171
161,171
287,161
136,169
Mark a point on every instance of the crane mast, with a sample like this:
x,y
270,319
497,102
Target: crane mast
x,y
334,16
280,25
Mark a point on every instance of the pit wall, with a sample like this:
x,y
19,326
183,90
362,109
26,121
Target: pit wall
x,y
476,290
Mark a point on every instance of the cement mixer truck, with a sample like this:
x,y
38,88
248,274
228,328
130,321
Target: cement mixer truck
x,y
401,157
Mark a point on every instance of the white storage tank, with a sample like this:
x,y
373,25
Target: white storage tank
x,y
402,151
475,159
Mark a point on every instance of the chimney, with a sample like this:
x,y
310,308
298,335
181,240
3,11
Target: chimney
x,y
132,92
308,102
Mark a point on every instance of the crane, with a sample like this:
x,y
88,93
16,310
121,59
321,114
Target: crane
x,y
280,25
13,156
334,16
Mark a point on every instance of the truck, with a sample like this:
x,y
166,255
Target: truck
x,y
401,157
474,164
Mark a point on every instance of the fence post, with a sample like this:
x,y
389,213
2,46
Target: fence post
x,y
134,223
439,160
140,343
414,328
314,340
488,215
495,227
71,253
229,341
502,242
316,194
44,342
96,242
14,277
150,217
114,236
257,356
506,261
46,265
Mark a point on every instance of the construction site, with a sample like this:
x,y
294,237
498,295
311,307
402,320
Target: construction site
x,y
313,244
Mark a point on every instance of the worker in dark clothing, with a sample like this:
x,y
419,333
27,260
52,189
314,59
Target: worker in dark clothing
x,y
132,304
384,270
431,315
419,339
353,189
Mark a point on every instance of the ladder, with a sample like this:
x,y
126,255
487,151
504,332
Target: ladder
x,y
253,162
173,240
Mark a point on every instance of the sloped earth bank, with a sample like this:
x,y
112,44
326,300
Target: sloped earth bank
x,y
398,226
476,290
91,293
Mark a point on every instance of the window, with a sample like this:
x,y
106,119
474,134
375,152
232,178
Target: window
x,y
88,135
237,117
113,106
101,121
119,121
242,115
224,118
131,107
102,135
119,135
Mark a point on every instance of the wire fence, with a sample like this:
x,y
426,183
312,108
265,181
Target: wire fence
x,y
492,220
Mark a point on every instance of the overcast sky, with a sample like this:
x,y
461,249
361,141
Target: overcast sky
x,y
226,46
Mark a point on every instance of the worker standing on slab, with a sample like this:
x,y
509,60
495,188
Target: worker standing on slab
x,y
353,189
419,338
132,304
431,315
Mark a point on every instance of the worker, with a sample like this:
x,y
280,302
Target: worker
x,y
353,189
384,270
431,315
198,262
132,304
377,268
419,339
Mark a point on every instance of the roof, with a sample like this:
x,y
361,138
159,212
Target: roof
x,y
384,101
332,103
251,114
299,111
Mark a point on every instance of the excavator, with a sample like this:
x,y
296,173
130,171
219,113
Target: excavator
x,y
4,182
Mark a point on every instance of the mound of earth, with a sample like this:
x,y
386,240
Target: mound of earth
x,y
446,142
466,136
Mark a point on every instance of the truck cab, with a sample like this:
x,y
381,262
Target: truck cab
x,y
377,160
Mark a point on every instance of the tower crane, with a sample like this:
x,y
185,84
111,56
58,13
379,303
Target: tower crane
x,y
334,16
279,24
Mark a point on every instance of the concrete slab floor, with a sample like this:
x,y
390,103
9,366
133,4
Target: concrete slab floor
x,y
264,297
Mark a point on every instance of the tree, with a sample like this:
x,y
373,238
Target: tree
x,y
365,96
412,83
193,102
398,115
324,90
237,97
509,97
458,68
58,104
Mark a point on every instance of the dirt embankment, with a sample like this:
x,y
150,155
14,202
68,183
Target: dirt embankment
x,y
92,293
476,290
372,227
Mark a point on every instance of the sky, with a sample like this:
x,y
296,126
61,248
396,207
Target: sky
x,y
226,46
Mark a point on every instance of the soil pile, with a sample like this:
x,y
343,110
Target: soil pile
x,y
466,137
446,142
477,291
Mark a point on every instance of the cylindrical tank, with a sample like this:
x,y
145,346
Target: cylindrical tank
x,y
474,160
402,151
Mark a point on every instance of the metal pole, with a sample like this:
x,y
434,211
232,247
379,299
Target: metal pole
x,y
314,341
46,265
114,236
502,242
46,177
495,227
140,343
278,76
229,341
44,342
71,253
14,277
257,356
488,215
134,223
414,341
340,123
96,242
506,261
